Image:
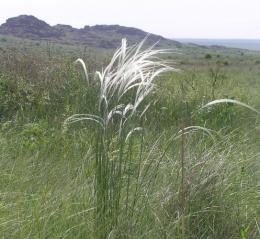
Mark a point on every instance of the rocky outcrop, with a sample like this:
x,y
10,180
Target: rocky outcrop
x,y
104,36
29,27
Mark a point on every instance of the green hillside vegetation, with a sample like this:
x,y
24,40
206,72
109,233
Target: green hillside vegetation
x,y
184,172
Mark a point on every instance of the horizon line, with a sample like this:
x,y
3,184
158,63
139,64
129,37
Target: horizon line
x,y
211,38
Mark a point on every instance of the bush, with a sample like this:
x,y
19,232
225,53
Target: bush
x,y
223,62
208,56
3,39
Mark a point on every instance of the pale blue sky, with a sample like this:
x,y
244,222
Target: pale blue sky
x,y
170,18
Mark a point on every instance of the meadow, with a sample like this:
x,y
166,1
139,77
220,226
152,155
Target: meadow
x,y
76,164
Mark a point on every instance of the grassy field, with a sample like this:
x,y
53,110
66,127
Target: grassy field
x,y
173,170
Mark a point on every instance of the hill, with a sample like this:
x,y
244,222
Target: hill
x,y
101,36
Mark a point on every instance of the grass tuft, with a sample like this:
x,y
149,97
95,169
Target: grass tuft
x,y
124,84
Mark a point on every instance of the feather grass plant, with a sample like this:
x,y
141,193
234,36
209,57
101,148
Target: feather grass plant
x,y
124,84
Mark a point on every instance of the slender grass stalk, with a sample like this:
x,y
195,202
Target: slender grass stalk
x,y
84,68
231,101
182,180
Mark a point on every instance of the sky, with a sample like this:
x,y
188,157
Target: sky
x,y
169,18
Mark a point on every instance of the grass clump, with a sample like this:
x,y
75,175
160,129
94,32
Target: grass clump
x,y
124,85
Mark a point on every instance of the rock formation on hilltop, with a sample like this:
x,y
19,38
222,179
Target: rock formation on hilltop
x,y
104,36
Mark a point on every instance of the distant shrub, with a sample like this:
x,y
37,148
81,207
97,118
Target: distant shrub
x,y
226,62
257,62
223,62
208,56
3,39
